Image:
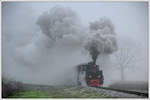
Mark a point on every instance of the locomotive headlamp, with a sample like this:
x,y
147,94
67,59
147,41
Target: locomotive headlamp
x,y
99,76
90,76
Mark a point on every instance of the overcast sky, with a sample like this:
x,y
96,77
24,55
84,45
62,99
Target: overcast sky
x,y
129,18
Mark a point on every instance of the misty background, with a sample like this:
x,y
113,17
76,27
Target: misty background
x,y
30,55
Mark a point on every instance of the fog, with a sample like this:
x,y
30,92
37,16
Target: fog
x,y
42,43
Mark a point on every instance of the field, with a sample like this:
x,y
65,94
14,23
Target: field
x,y
59,92
14,89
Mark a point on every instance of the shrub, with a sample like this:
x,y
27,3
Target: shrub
x,y
9,87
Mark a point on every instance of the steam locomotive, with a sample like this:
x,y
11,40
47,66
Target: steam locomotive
x,y
90,75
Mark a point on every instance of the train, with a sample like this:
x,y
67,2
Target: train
x,y
89,74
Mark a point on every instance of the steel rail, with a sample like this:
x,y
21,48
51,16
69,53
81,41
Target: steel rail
x,y
125,91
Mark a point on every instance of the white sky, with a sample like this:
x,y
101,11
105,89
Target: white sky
x,y
129,18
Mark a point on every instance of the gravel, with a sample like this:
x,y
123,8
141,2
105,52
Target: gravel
x,y
115,93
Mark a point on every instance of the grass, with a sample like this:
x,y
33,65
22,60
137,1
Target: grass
x,y
30,94
66,92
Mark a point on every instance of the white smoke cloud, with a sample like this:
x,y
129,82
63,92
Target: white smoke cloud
x,y
54,52
102,38
59,21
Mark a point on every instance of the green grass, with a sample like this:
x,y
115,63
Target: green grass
x,y
31,94
67,92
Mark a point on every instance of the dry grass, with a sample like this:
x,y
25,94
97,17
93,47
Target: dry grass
x,y
9,87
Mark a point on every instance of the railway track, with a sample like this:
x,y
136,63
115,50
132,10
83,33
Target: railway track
x,y
125,91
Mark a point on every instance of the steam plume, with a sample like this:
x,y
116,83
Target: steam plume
x,y
59,21
61,28
103,39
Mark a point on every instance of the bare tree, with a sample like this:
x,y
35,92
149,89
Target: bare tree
x,y
126,57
